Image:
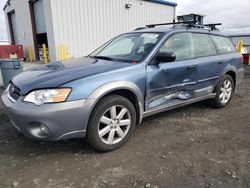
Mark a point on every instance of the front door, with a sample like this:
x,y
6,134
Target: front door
x,y
174,82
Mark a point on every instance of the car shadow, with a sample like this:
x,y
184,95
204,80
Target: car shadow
x,y
22,146
15,144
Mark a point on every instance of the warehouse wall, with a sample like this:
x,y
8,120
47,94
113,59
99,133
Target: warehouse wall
x,y
85,25
23,23
24,27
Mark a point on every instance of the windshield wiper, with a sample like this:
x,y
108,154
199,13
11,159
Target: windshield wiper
x,y
104,57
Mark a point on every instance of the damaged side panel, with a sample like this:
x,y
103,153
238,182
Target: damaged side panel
x,y
170,83
173,97
169,97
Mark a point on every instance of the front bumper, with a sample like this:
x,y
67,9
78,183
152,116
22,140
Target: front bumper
x,y
62,120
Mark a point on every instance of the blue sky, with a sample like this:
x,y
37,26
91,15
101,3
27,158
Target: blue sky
x,y
233,14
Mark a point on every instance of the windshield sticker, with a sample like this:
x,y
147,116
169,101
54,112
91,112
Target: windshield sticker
x,y
149,35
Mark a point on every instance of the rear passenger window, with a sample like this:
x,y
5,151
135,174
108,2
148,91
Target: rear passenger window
x,y
203,45
223,44
181,45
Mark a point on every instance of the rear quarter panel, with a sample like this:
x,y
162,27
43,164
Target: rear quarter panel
x,y
234,63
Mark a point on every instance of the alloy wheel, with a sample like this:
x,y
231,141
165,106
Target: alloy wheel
x,y
225,91
114,124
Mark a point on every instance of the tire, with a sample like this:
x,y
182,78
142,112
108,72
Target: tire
x,y
105,123
222,99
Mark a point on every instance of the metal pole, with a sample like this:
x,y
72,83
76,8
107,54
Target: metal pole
x,y
63,51
45,54
30,53
240,46
59,53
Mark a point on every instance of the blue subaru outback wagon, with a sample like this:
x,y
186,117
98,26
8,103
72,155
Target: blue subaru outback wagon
x,y
104,95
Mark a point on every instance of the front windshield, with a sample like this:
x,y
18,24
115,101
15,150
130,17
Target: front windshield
x,y
132,47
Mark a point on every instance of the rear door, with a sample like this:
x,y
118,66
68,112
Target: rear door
x,y
209,64
173,82
212,52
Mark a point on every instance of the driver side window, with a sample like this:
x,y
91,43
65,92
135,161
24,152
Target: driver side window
x,y
181,45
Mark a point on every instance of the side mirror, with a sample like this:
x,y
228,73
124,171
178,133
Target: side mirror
x,y
164,57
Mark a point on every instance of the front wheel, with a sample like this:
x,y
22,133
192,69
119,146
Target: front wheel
x,y
111,124
224,92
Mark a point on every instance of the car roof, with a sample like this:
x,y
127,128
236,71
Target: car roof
x,y
178,28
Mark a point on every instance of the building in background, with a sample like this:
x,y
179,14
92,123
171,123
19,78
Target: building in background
x,y
240,34
77,25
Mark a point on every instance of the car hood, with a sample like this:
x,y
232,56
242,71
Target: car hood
x,y
55,74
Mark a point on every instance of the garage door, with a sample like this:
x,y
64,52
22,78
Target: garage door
x,y
39,17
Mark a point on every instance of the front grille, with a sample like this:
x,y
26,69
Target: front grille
x,y
14,91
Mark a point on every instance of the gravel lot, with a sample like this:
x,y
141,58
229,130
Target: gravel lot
x,y
194,146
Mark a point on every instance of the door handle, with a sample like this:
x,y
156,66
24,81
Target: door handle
x,y
191,68
220,62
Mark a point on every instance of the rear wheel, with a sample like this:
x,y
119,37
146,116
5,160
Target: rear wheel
x,y
111,123
224,92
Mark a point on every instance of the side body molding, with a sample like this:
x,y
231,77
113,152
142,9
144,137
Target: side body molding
x,y
97,94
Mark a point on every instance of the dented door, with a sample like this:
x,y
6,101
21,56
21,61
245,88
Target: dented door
x,y
169,83
172,82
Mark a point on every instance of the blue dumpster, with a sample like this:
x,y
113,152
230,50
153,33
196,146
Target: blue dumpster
x,y
9,69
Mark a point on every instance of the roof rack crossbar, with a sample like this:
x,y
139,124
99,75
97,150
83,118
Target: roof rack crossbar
x,y
212,26
172,23
189,24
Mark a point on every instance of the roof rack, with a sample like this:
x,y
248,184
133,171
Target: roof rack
x,y
212,26
171,23
187,24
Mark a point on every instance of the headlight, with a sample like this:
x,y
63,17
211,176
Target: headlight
x,y
40,97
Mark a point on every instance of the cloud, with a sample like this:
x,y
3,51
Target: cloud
x,y
232,14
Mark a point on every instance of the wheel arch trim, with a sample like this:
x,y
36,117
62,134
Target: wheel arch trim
x,y
110,87
230,69
233,70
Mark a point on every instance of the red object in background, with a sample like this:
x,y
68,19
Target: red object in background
x,y
246,56
241,58
6,51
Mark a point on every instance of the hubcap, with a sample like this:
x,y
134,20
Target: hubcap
x,y
225,91
114,124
